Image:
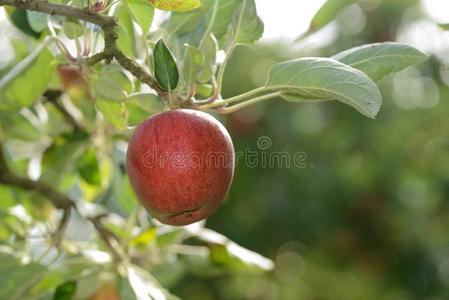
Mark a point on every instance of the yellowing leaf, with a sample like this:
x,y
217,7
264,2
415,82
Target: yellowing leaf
x,y
176,5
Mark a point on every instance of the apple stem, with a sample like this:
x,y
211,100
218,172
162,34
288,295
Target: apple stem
x,y
233,108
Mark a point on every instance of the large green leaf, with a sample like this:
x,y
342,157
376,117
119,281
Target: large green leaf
x,y
165,68
381,59
16,278
323,78
142,12
28,80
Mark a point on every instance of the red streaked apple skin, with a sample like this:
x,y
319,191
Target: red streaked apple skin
x,y
180,164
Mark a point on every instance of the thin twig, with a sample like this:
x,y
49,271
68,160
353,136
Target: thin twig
x,y
53,97
109,238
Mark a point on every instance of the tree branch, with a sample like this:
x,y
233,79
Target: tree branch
x,y
58,199
107,24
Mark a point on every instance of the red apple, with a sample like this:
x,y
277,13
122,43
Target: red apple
x,y
180,164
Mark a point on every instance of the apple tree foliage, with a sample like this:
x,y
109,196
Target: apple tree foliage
x,y
83,74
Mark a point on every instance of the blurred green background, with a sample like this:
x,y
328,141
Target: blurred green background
x,y
368,217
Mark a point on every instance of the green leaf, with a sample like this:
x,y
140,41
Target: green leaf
x,y
381,59
28,80
37,20
145,286
328,12
183,22
88,168
323,78
19,18
142,12
123,193
228,253
113,112
16,126
209,50
165,69
56,123
193,61
220,15
444,27
141,106
176,5
246,26
16,278
144,238
112,84
126,38
72,28
65,291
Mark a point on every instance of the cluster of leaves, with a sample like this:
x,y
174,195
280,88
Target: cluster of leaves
x,y
66,122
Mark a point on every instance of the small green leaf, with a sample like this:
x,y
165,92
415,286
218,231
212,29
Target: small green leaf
x,y
126,38
88,168
381,59
204,91
123,193
65,291
209,50
193,61
323,78
145,237
220,15
37,20
176,5
72,28
142,12
112,84
246,26
165,69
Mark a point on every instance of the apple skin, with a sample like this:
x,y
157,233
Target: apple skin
x,y
181,163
